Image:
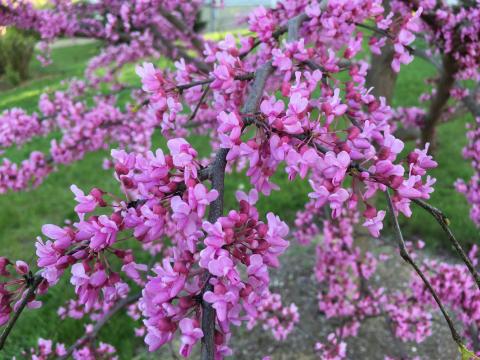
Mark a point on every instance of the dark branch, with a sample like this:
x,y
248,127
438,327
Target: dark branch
x,y
440,217
180,25
100,323
37,279
406,256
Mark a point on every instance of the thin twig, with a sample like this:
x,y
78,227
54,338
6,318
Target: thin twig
x,y
244,77
184,29
100,323
37,279
406,256
440,217
200,102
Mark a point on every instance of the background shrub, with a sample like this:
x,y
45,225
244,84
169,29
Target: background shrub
x,y
16,52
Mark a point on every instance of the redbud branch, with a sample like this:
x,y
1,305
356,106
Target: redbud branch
x,y
184,29
291,27
436,213
100,323
217,176
37,279
406,256
245,77
384,33
171,49
442,219
200,102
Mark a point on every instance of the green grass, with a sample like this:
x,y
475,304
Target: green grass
x,y
22,214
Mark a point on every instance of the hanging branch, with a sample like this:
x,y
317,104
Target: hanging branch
x,y
440,217
33,285
200,102
218,177
100,323
406,256
184,29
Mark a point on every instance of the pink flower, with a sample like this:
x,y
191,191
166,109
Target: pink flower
x,y
223,266
183,215
47,254
152,79
320,194
191,333
333,108
63,237
334,167
336,201
86,203
276,234
220,301
183,157
101,232
199,198
230,129
258,270
375,224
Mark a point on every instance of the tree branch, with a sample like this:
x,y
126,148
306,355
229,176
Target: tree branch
x,y
184,29
218,177
37,279
100,323
406,256
440,217
442,95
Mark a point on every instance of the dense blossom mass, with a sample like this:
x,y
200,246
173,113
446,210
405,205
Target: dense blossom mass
x,y
289,99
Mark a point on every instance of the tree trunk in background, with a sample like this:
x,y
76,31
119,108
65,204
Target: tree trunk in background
x,y
381,76
444,86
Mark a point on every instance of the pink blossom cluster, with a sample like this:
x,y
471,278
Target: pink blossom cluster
x,y
46,351
275,317
164,197
83,130
17,127
457,290
113,21
14,288
450,30
410,25
234,245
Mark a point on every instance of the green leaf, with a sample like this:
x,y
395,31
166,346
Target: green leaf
x,y
467,354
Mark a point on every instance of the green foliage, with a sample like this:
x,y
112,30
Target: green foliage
x,y
16,52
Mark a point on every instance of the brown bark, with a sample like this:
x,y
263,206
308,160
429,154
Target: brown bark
x,y
381,76
440,99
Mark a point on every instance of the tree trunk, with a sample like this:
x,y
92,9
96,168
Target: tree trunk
x,y
381,76
440,99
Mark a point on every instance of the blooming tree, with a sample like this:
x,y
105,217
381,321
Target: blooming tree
x,y
290,97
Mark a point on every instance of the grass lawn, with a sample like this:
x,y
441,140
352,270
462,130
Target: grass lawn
x,y
22,214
